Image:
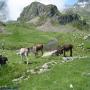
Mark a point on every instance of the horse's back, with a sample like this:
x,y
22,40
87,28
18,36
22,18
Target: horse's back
x,y
23,51
39,47
67,46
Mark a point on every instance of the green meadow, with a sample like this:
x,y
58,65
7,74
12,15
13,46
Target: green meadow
x,y
60,76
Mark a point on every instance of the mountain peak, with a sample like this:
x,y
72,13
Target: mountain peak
x,y
38,9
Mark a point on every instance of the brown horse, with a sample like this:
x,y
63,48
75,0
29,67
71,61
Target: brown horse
x,y
37,48
63,49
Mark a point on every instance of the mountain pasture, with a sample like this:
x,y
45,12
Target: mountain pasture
x,y
62,76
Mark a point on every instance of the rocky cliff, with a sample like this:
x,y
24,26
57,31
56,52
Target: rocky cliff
x,y
37,12
38,9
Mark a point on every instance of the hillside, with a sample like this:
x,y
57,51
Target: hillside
x,y
42,11
82,7
44,24
2,28
39,14
16,74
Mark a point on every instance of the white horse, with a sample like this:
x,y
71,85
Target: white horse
x,y
23,52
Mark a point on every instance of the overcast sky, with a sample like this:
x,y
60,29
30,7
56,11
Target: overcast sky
x,y
16,6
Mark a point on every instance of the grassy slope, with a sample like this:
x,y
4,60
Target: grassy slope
x,y
27,35
22,35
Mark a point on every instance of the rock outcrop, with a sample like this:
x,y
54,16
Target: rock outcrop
x,y
38,9
38,14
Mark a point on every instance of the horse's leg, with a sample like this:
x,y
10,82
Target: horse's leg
x,y
71,52
26,55
42,51
21,56
27,59
64,53
36,53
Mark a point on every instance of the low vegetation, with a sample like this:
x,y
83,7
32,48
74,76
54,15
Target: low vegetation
x,y
60,76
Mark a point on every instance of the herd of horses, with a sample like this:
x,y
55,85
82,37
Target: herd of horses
x,y
24,52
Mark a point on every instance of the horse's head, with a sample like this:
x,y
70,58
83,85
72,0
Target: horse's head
x,y
31,49
59,51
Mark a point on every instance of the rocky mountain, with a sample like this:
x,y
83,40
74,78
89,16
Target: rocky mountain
x,y
38,9
37,12
82,7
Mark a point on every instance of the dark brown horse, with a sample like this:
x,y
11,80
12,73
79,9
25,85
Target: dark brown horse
x,y
37,48
63,49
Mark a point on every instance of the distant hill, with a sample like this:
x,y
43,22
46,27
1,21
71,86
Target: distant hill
x,y
2,24
2,28
38,13
82,7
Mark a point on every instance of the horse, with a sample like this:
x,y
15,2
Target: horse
x,y
23,52
37,48
3,60
63,49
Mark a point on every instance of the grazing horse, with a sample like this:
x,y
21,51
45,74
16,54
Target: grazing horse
x,y
3,60
23,52
63,49
37,48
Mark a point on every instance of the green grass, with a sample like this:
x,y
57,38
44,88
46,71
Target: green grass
x,y
24,35
61,75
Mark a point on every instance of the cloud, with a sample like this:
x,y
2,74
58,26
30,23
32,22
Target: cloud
x,y
3,10
16,6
